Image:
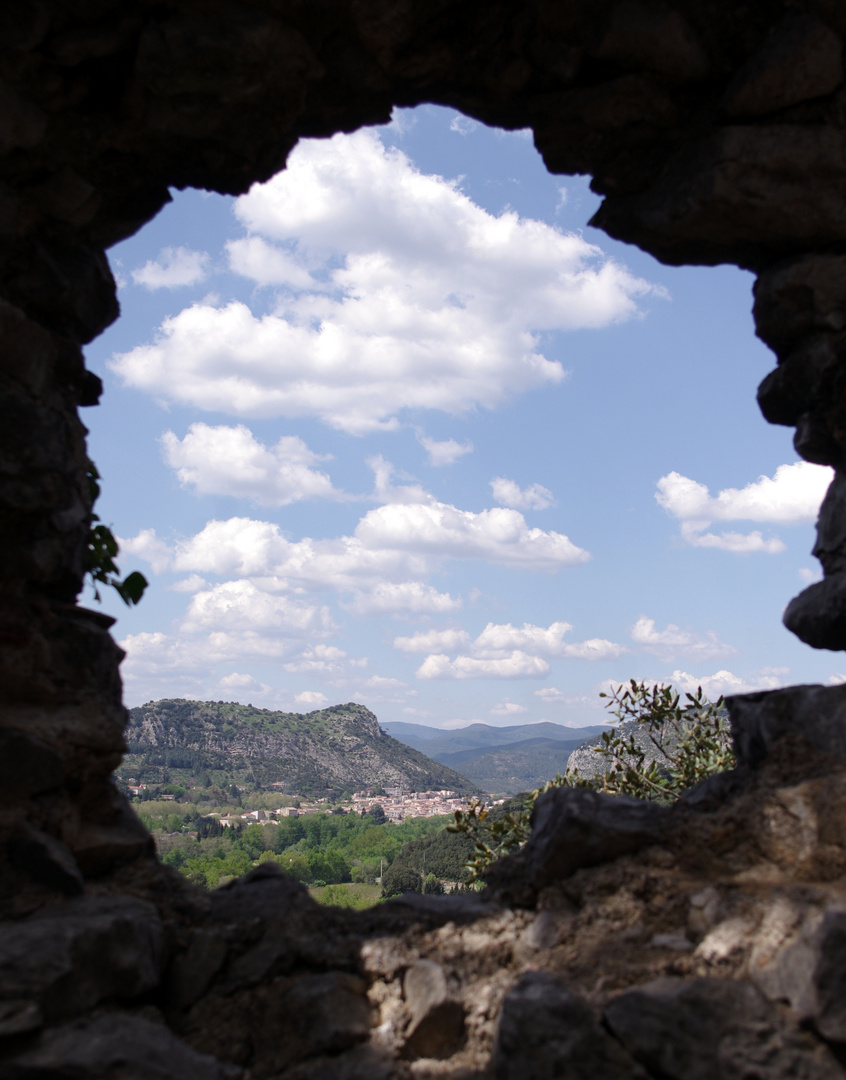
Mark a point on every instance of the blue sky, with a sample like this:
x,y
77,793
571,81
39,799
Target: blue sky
x,y
398,427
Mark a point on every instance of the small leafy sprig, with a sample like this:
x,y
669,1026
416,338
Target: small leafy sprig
x,y
693,741
492,836
102,552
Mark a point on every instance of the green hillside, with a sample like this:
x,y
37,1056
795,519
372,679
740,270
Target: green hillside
x,y
217,743
514,767
440,742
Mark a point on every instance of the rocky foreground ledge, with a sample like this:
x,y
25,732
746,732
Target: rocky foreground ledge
x,y
625,940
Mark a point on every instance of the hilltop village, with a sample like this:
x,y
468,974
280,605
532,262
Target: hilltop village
x,y
396,806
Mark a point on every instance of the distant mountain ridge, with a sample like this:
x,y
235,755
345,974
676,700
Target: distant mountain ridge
x,y
341,747
507,760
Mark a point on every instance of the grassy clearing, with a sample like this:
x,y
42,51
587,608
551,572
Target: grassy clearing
x,y
356,895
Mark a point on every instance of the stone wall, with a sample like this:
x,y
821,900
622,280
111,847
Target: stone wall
x,y
716,133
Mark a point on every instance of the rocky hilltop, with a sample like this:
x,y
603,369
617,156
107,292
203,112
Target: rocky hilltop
x,y
341,747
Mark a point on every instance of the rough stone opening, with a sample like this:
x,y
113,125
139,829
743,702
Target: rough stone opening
x,y
715,134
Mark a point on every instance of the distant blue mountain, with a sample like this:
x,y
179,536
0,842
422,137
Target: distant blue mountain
x,y
501,759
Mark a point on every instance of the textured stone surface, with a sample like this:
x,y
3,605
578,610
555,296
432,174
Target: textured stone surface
x,y
547,1031
828,1011
113,1048
574,828
811,715
715,133
72,957
710,1027
45,859
437,1017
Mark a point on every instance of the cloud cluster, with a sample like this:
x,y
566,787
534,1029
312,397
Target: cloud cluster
x,y
671,642
396,291
261,609
508,708
231,461
404,598
313,698
174,268
508,493
501,651
240,606
723,682
792,495
395,545
443,531
445,452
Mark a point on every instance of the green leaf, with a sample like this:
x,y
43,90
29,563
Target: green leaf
x,y
131,589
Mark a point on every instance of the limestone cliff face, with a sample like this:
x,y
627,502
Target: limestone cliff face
x,y
341,746
703,941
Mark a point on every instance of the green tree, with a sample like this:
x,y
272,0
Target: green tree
x,y
432,886
296,864
252,840
401,880
690,742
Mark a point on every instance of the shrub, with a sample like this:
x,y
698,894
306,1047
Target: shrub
x,y
683,745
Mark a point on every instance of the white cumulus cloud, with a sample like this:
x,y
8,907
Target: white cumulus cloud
x,y
147,546
445,452
508,493
673,641
792,495
240,681
497,535
174,267
502,651
518,665
312,697
463,125
240,605
508,708
433,641
396,292
404,598
551,695
723,683
396,543
231,461
325,660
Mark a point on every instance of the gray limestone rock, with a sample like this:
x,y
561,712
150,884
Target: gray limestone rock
x,y
829,978
19,1017
282,1022
70,958
706,1028
546,1033
801,58
27,767
817,615
437,1016
800,297
649,34
118,838
814,714
574,828
113,1047
589,763
45,860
